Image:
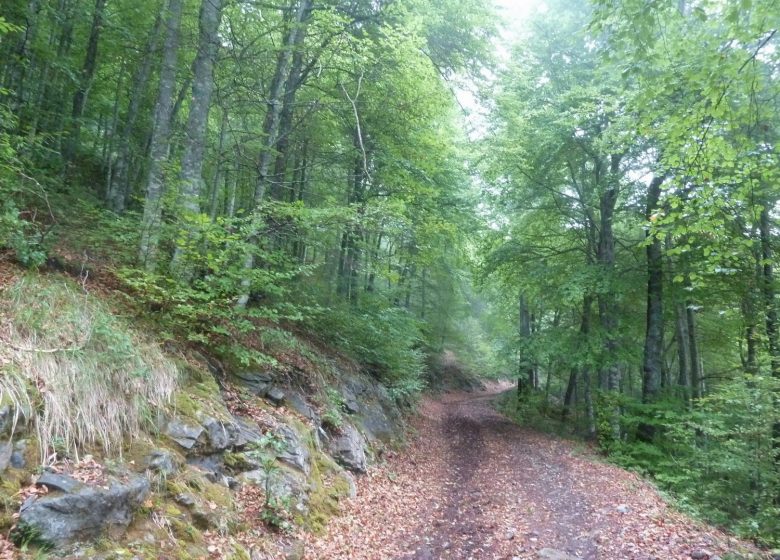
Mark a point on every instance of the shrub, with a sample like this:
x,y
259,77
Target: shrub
x,y
386,340
717,458
21,229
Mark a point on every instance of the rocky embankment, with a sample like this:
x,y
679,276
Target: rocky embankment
x,y
238,464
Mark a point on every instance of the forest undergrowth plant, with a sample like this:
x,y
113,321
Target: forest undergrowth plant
x,y
386,339
92,380
333,415
276,511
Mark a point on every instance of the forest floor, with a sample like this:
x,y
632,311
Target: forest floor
x,y
474,485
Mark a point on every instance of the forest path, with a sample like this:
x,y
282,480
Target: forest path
x,y
473,485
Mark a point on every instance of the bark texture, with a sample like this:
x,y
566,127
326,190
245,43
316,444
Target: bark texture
x,y
160,141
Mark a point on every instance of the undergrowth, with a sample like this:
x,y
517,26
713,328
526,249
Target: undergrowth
x,y
91,380
387,340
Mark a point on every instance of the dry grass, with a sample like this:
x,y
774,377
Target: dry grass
x,y
93,381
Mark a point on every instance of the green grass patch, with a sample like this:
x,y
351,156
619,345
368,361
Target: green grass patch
x,y
90,380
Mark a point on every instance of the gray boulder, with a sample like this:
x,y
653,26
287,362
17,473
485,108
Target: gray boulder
x,y
376,423
83,512
6,452
350,401
186,435
349,449
295,453
59,482
18,460
248,431
371,406
162,461
282,483
257,382
299,404
5,419
220,435
275,395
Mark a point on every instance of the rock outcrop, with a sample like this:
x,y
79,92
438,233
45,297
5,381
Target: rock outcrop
x,y
74,511
348,447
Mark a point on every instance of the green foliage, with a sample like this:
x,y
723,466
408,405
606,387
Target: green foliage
x,y
22,228
534,409
204,311
386,339
276,511
717,458
334,413
26,536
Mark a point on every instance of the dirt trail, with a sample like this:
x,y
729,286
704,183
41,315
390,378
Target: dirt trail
x,y
474,486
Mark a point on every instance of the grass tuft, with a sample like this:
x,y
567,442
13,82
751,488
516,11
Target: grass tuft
x,y
93,381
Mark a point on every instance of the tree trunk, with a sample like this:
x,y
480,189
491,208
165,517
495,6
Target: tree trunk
x,y
693,350
610,372
150,226
291,86
192,184
683,353
749,316
219,172
571,387
23,59
526,363
606,254
110,137
652,364
85,82
768,289
119,189
271,130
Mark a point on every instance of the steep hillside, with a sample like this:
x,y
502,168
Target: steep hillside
x,y
114,446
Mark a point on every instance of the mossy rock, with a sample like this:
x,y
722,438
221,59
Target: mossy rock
x,y
238,462
184,530
329,488
199,395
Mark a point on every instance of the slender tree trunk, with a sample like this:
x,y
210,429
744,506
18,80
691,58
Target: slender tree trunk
x,y
219,172
232,187
654,333
571,387
271,130
85,83
768,289
610,369
23,59
526,360
119,189
110,137
693,351
291,86
606,253
683,353
50,114
151,222
192,184
352,240
749,316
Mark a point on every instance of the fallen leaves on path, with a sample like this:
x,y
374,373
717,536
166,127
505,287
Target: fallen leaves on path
x,y
473,485
7,550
